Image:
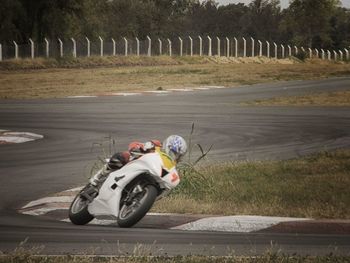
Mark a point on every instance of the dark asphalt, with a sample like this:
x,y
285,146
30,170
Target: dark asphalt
x,y
71,126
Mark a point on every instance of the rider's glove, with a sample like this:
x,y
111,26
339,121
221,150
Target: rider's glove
x,y
148,146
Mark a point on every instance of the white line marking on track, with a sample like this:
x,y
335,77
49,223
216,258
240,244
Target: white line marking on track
x,y
53,199
39,211
19,137
15,139
81,96
126,94
184,89
203,88
235,223
213,87
152,91
157,91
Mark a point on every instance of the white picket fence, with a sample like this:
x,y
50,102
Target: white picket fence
x,y
180,46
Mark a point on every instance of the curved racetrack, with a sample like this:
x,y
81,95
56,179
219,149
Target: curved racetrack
x,y
71,126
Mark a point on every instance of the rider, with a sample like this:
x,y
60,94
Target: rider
x,y
174,146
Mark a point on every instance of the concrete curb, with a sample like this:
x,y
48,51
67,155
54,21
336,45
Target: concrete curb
x,y
149,92
10,137
56,207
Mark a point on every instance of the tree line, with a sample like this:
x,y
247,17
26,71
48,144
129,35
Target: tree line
x,y
309,23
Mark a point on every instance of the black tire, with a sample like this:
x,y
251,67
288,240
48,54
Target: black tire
x,y
78,211
149,195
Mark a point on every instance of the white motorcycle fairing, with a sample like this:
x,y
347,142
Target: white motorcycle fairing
x,y
108,200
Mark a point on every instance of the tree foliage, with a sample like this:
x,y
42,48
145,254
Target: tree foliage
x,y
314,23
309,20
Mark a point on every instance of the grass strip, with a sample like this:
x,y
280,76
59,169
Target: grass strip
x,y
141,73
316,186
267,257
339,98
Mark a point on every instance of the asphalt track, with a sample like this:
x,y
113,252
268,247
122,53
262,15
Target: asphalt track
x,y
71,126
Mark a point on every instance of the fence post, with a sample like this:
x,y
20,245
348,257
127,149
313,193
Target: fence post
x,y
244,47
253,47
47,47
268,49
296,50
322,54
61,47
101,46
88,47
227,47
260,48
335,55
74,47
341,55
16,49
0,52
276,55
209,49
137,46
236,47
289,50
317,53
219,46
149,52
160,46
31,48
126,46
200,45
191,45
310,53
181,46
302,49
114,47
283,51
347,53
169,45
329,54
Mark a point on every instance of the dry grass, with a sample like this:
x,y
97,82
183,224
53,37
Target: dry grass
x,y
272,255
267,258
316,186
339,98
142,73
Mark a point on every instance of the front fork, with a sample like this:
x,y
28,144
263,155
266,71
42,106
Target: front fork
x,y
89,192
101,176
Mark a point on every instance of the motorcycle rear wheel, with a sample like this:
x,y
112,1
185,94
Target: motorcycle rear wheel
x,y
132,213
78,211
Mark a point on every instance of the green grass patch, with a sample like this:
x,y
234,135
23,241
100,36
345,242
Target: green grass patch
x,y
316,186
338,98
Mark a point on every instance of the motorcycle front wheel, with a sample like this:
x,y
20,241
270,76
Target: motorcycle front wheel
x,y
134,209
78,211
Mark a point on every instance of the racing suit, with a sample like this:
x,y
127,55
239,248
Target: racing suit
x,y
135,150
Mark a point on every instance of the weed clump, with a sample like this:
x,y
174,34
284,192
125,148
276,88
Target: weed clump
x,y
315,186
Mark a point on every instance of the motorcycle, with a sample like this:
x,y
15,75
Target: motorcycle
x,y
126,194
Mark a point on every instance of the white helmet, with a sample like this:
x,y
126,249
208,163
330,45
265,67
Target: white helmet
x,y
175,146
